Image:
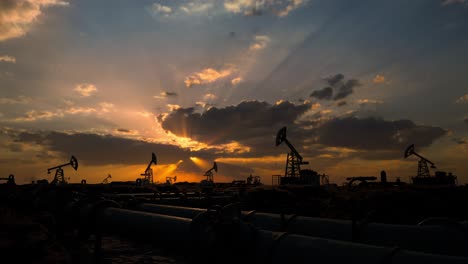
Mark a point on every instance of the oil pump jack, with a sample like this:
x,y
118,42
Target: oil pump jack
x,y
208,184
59,174
423,176
423,169
106,180
148,175
293,173
171,180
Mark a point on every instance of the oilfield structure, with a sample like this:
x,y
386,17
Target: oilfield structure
x,y
300,218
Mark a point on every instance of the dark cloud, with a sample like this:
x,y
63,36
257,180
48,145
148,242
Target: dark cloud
x,y
466,120
335,79
346,89
338,86
341,103
123,130
376,134
255,124
15,147
169,94
93,149
242,122
325,93
253,12
460,141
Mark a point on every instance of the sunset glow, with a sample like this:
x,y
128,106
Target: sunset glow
x,y
199,81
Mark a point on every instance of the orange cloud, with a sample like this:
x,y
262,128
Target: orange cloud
x,y
35,115
293,4
209,96
369,101
207,75
19,100
260,42
85,89
6,58
236,81
462,99
379,79
17,16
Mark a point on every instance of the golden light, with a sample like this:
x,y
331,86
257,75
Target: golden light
x,y
201,163
167,170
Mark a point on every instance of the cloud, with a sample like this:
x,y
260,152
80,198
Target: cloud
x,y
335,79
376,134
460,141
34,115
466,119
249,122
369,101
450,2
462,99
254,124
124,131
242,6
378,79
196,7
260,42
7,58
342,89
346,89
13,101
165,94
85,89
236,80
292,5
173,107
208,75
18,16
341,103
161,9
93,149
279,8
323,94
209,96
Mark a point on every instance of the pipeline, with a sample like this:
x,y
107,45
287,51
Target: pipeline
x,y
440,239
218,235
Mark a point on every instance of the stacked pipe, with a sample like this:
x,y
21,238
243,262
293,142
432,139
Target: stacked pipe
x,y
440,239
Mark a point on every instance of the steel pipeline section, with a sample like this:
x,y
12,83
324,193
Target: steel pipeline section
x,y
225,235
440,239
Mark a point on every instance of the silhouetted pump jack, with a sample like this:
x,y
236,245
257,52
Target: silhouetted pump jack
x,y
171,180
106,180
208,184
294,159
59,174
148,175
423,169
209,173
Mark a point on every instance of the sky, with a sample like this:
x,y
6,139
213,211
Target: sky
x,y
197,81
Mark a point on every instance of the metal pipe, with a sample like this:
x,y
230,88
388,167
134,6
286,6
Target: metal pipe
x,y
170,210
146,226
430,239
279,248
267,246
